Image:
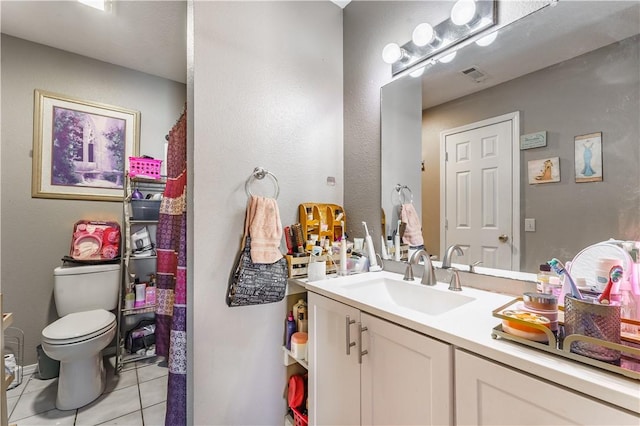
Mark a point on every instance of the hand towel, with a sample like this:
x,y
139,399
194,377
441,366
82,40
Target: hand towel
x,y
413,229
265,230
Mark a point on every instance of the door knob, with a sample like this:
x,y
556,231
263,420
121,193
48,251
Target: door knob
x,y
503,238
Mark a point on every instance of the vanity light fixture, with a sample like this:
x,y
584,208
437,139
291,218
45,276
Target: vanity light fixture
x,y
424,34
467,18
393,53
463,12
488,39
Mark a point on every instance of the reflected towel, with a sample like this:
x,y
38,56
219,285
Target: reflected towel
x,y
265,230
413,229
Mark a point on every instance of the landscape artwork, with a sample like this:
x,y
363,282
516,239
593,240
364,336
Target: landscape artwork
x,y
81,148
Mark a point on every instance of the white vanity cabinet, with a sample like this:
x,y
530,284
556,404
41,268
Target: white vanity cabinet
x,y
491,394
400,377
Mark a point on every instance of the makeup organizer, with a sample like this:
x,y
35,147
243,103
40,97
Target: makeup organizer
x,y
572,346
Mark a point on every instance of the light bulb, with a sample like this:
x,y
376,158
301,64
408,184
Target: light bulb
x,y
463,12
417,73
448,58
423,34
488,39
391,53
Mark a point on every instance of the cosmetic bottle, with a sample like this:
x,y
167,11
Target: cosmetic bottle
x,y
291,328
129,299
140,294
150,291
542,279
300,308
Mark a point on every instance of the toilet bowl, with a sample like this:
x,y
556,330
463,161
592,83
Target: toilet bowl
x,y
84,297
77,341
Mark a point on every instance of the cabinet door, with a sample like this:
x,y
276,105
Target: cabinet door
x,y
334,379
490,394
406,377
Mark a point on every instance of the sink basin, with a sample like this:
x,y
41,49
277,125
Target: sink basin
x,y
383,292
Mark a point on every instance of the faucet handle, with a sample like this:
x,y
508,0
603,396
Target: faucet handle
x,y
473,265
408,273
454,284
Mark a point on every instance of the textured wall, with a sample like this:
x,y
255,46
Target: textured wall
x,y
36,233
268,92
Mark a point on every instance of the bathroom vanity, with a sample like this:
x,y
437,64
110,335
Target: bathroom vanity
x,y
387,351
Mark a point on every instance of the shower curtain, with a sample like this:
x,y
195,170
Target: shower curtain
x,y
171,308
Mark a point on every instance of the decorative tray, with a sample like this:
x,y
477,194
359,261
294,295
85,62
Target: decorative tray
x,y
628,365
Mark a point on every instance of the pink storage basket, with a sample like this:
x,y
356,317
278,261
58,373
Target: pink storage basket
x,y
144,167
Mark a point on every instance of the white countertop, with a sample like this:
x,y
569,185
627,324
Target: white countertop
x,y
469,327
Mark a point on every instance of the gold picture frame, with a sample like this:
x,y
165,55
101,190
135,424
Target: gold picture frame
x,y
81,148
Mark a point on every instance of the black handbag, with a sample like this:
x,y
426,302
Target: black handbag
x,y
256,283
142,336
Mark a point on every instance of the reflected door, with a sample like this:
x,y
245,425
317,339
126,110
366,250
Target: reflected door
x,y
478,192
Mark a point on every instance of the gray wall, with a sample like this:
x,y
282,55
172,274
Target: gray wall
x,y
37,232
268,92
595,92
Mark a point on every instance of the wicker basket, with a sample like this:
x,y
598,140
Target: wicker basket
x,y
144,167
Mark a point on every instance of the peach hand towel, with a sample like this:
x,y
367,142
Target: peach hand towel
x,y
265,230
413,229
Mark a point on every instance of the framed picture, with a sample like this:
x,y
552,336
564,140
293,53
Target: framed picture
x,y
546,170
80,148
588,156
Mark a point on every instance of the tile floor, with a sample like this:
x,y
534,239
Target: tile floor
x,y
136,397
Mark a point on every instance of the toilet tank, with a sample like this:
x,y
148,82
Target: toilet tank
x,y
86,287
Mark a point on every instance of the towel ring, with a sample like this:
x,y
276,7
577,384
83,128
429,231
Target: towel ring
x,y
402,195
260,173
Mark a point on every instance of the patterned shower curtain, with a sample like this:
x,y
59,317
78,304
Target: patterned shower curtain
x,y
171,310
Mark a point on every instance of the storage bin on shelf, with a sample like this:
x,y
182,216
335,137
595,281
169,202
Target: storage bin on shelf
x,y
144,167
298,265
145,209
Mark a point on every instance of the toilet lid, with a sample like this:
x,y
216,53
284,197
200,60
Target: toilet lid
x,y
78,326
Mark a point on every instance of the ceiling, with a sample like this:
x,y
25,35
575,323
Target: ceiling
x,y
148,36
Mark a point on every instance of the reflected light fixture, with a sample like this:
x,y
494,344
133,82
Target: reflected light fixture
x,y
487,40
448,58
463,12
466,19
417,73
424,34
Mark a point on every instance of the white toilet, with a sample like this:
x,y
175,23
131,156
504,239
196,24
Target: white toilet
x,y
84,296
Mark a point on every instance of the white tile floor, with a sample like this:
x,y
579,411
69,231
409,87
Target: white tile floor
x,y
135,397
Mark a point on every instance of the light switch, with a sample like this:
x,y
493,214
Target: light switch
x,y
529,225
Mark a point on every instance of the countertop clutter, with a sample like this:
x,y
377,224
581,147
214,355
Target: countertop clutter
x,y
464,319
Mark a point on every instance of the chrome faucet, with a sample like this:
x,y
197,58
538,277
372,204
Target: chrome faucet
x,y
429,274
454,284
446,261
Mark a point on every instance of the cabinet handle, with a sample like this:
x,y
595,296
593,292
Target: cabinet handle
x,y
361,353
348,322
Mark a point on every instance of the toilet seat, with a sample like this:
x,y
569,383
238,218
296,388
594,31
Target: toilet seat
x,y
78,327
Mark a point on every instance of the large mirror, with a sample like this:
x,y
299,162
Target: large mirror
x,y
568,79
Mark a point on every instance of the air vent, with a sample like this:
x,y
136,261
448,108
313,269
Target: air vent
x,y
475,74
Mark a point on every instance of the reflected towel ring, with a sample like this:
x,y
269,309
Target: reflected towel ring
x,y
402,195
260,173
